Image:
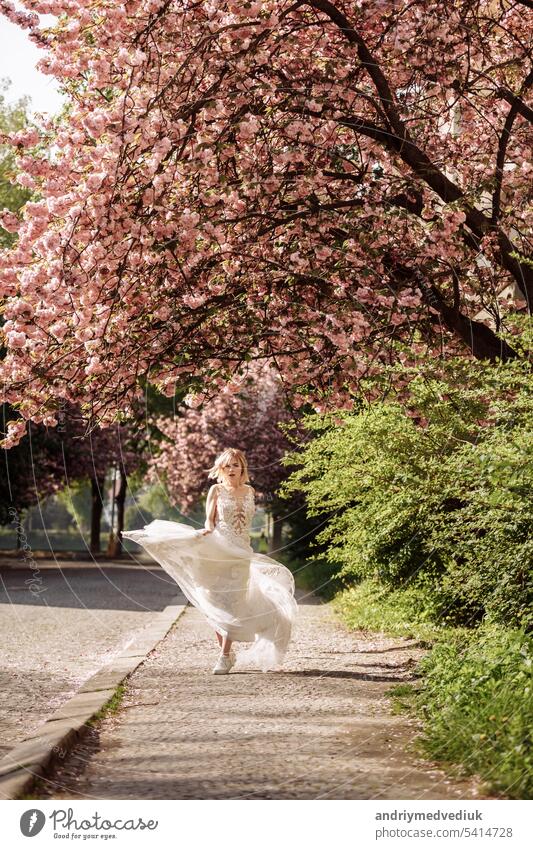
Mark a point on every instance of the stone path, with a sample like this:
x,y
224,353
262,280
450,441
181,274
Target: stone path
x,y
321,729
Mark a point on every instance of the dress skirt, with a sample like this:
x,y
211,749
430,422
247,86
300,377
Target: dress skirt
x,y
244,595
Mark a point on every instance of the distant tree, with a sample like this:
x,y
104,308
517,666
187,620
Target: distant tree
x,y
31,471
49,460
91,456
249,415
13,194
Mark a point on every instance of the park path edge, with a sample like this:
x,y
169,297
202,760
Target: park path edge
x,y
36,755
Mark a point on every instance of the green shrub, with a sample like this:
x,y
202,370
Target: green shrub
x,y
433,492
317,576
429,509
474,689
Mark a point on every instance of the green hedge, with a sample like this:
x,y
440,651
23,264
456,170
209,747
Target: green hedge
x,y
474,691
434,492
429,516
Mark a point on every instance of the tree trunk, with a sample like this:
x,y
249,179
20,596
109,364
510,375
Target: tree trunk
x,y
479,338
274,540
97,506
20,532
121,500
482,342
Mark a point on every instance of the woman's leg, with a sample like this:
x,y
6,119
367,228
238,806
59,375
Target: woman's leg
x,y
224,643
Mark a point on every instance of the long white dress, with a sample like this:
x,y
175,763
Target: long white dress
x,y
243,594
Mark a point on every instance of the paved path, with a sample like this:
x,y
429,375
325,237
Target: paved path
x,y
58,626
321,729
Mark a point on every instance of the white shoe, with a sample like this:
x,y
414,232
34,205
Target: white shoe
x,y
232,656
224,664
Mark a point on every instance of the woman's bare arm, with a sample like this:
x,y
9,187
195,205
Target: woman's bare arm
x,y
210,509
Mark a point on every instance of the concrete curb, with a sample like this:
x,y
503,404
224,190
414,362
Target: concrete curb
x,y
34,756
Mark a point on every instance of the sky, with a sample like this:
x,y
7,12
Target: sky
x,y
18,57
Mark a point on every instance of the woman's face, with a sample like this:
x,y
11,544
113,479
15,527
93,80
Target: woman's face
x,y
232,471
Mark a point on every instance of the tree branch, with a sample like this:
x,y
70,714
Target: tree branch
x,y
400,141
502,150
483,343
514,99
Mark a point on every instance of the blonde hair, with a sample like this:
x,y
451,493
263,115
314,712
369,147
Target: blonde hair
x,y
223,459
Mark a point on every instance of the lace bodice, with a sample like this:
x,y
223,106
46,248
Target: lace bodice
x,y
234,515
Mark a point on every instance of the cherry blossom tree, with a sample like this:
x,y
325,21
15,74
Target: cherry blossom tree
x,y
249,416
307,182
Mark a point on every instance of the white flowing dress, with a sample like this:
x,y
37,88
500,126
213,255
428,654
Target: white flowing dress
x,y
244,595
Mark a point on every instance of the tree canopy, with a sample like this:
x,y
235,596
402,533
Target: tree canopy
x,y
307,182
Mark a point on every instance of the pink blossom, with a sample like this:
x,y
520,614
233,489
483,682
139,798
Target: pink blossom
x,y
232,182
9,221
16,340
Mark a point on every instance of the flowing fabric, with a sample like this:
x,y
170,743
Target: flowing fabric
x,y
244,595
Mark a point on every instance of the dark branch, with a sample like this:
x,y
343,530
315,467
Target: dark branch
x,y
502,150
514,100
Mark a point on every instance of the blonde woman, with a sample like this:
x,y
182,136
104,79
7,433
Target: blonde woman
x,y
245,596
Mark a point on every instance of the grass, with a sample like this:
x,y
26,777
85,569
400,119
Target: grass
x,y
475,690
111,706
403,696
38,791
369,606
477,707
49,540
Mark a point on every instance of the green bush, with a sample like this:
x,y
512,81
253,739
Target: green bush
x,y
433,492
429,507
317,576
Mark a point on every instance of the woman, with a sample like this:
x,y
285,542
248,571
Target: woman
x,y
247,597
